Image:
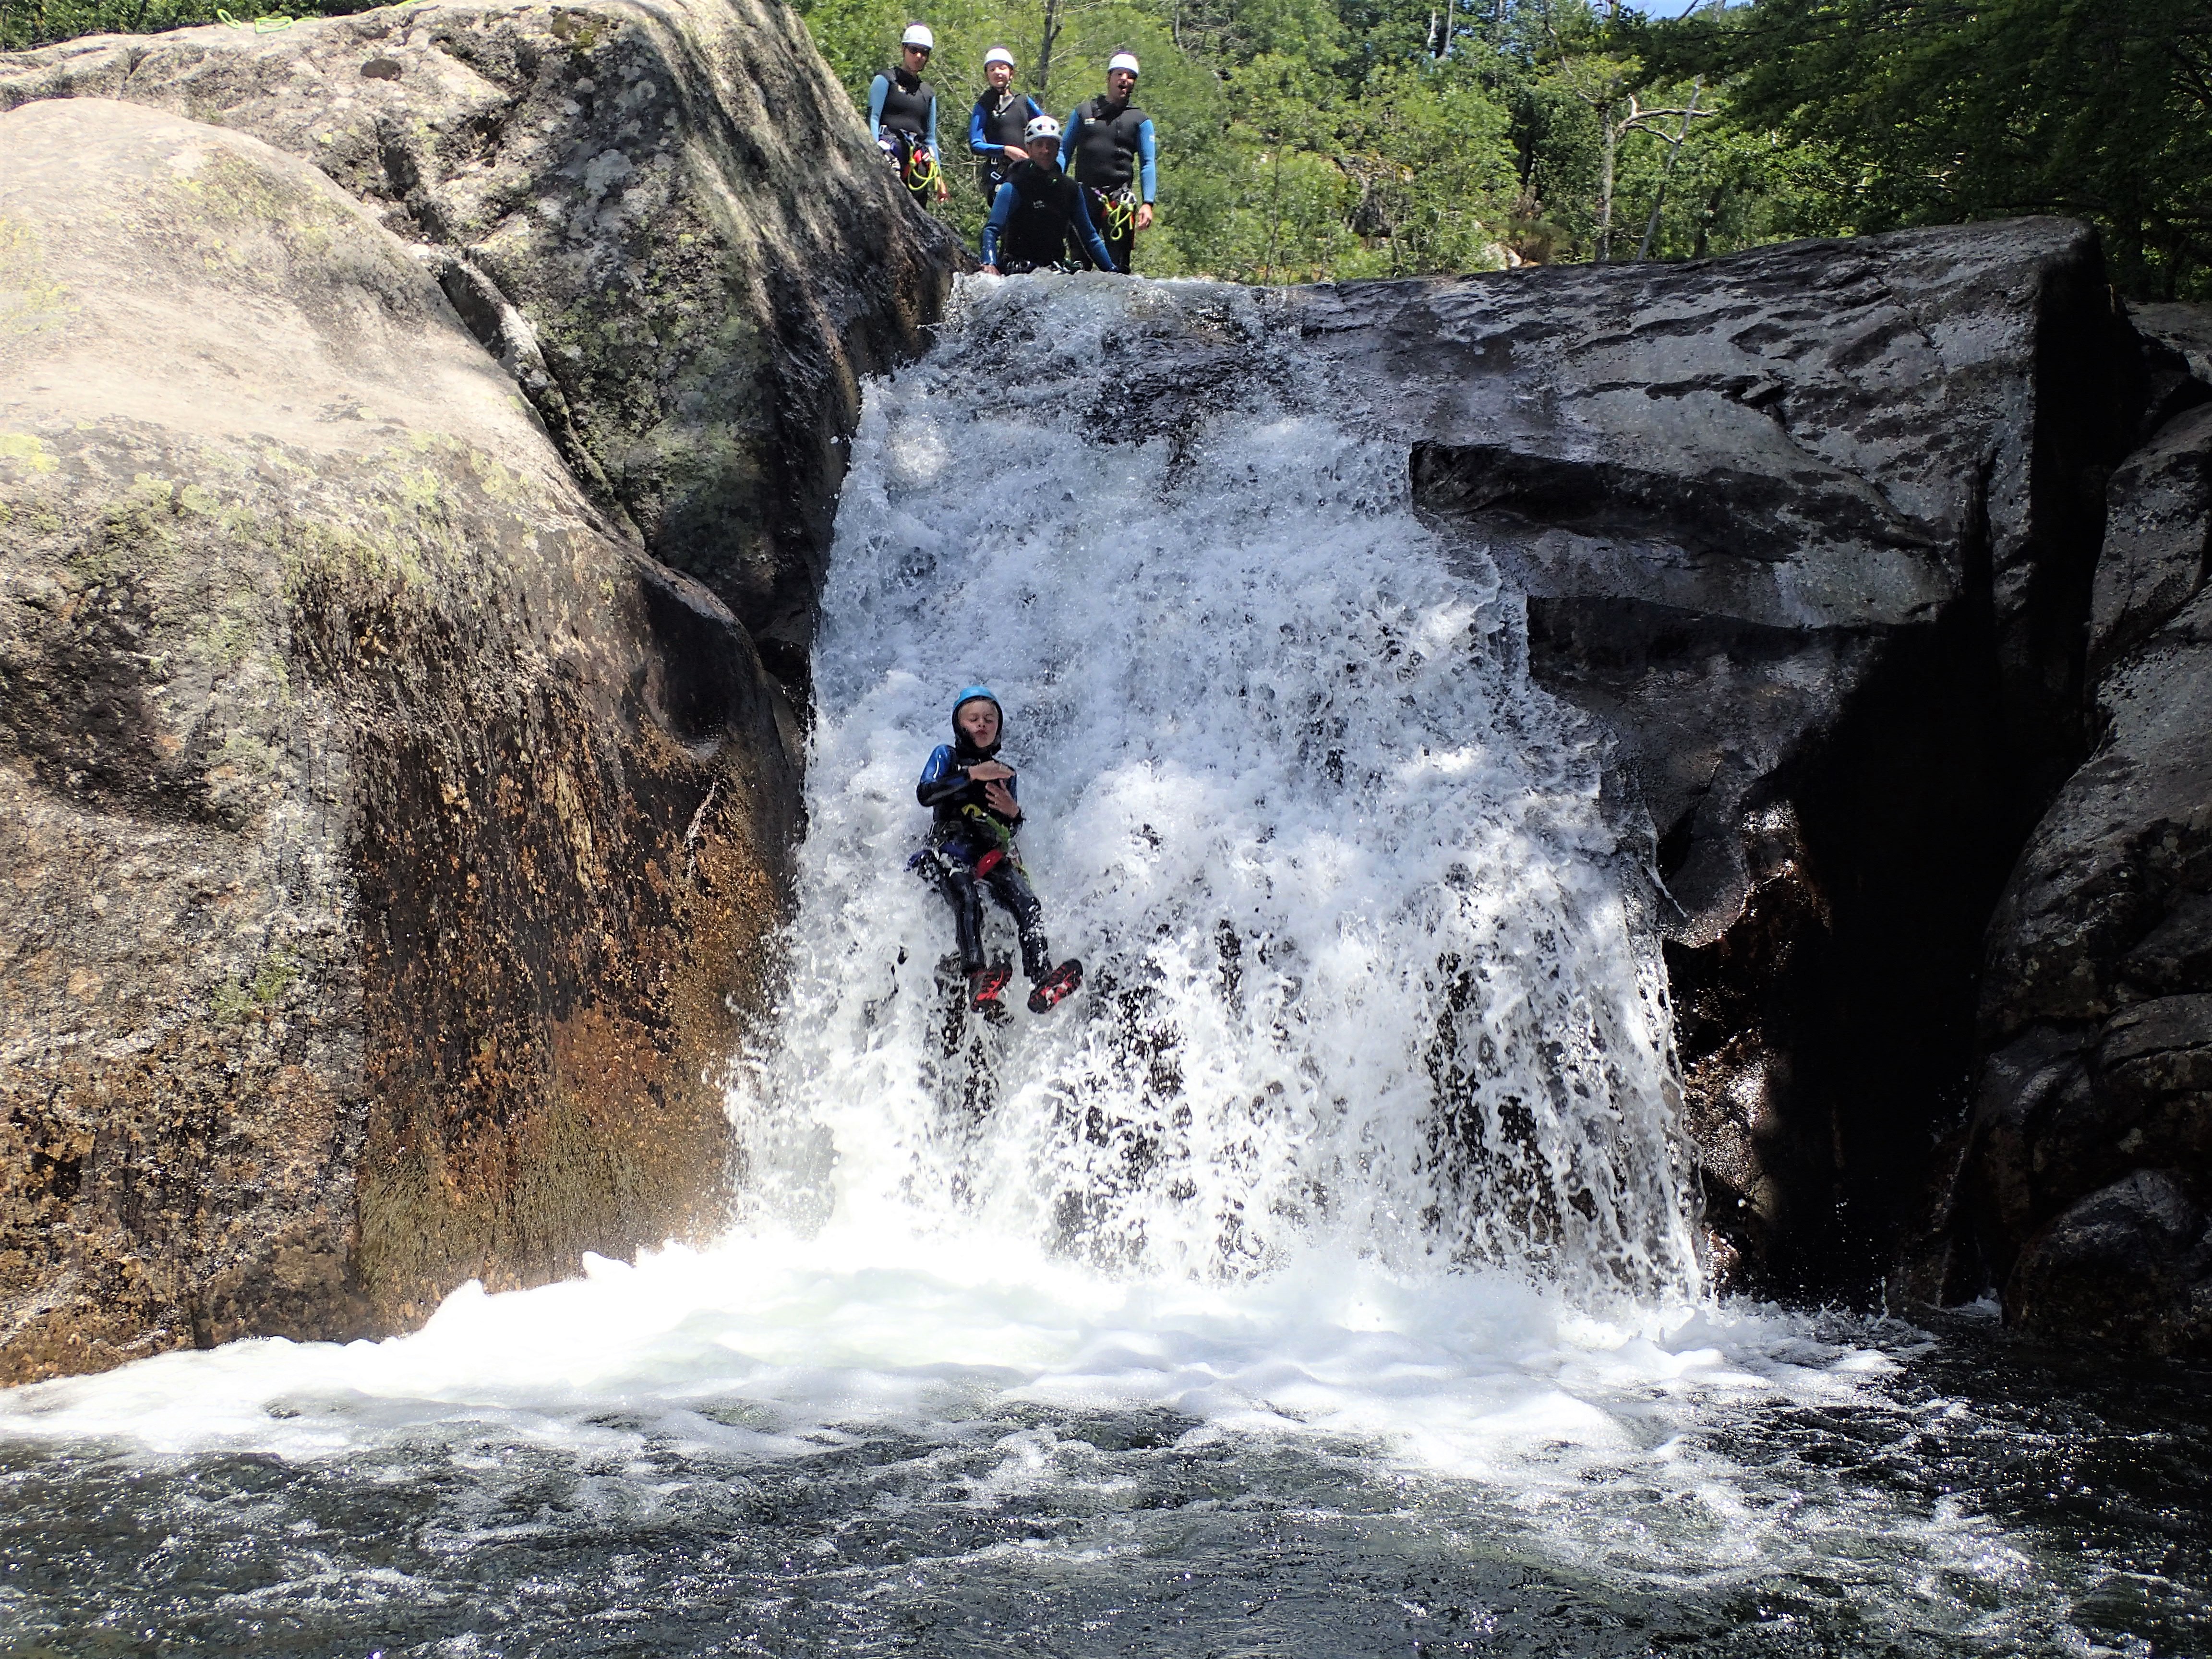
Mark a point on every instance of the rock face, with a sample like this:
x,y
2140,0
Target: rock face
x,y
384,833
2089,1161
664,219
1811,532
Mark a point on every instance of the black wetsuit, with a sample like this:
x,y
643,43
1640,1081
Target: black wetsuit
x,y
1109,149
906,128
975,847
1039,222
999,119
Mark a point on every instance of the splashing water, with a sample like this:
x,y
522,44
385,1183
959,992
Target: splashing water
x,y
1361,972
1318,1280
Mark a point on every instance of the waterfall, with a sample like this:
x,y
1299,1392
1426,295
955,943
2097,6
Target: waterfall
x,y
1363,972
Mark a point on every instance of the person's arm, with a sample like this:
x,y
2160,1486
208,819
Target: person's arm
x,y
1068,136
879,89
932,124
977,143
1148,156
1094,245
1002,214
940,778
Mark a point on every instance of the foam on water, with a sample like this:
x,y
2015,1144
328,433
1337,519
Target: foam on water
x,y
1357,1138
1362,974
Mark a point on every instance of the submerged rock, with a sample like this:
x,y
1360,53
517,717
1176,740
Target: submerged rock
x,y
388,841
1809,531
666,220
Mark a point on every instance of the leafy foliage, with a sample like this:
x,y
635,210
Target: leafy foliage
x,y
1933,110
1314,139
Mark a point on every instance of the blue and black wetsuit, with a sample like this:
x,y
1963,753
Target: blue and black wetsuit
x,y
1037,212
1112,152
902,114
974,847
999,119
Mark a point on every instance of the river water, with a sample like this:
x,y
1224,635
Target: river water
x,y
1320,1280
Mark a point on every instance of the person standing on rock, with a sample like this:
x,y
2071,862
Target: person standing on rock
x,y
1036,210
1109,148
997,127
902,114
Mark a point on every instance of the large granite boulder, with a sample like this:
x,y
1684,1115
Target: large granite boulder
x,y
387,840
665,219
2088,1164
1810,531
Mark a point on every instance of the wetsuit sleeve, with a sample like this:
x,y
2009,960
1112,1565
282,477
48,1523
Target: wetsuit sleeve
x,y
940,778
1093,243
977,143
1148,157
1002,213
1067,137
879,89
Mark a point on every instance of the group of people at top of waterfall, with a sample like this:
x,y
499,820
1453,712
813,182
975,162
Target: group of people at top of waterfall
x,y
1063,196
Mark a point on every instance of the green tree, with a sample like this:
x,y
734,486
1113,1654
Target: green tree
x,y
1938,111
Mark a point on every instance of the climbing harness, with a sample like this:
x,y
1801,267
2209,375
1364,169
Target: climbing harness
x,y
1121,207
922,169
913,161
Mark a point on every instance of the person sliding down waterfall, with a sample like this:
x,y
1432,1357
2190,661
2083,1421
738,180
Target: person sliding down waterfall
x,y
902,114
971,847
1110,149
1037,209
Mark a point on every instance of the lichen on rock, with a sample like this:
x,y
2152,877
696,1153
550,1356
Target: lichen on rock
x,y
389,838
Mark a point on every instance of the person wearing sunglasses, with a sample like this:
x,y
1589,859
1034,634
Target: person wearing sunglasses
x,y
902,114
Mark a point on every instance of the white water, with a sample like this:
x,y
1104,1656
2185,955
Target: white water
x,y
1358,1135
1362,980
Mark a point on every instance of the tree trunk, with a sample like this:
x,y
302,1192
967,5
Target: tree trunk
x,y
1611,144
1043,77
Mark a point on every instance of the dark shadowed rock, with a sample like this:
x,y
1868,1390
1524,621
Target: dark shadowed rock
x,y
2102,942
2128,1266
388,839
2182,329
2158,537
664,219
1811,531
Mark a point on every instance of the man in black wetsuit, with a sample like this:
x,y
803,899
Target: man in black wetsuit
x,y
902,114
1037,212
998,126
1110,148
969,791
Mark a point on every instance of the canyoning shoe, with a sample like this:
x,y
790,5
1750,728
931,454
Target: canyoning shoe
x,y
986,986
1061,983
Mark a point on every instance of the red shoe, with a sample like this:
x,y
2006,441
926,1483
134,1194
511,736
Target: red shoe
x,y
1056,987
986,986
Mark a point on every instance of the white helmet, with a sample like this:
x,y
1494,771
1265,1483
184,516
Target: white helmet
x,y
1039,127
998,55
918,34
1126,60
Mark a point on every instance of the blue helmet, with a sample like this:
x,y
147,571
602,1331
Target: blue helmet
x,y
969,694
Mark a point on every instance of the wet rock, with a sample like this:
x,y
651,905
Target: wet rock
x,y
2182,329
677,236
387,839
2102,940
2129,1266
2158,537
1810,532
